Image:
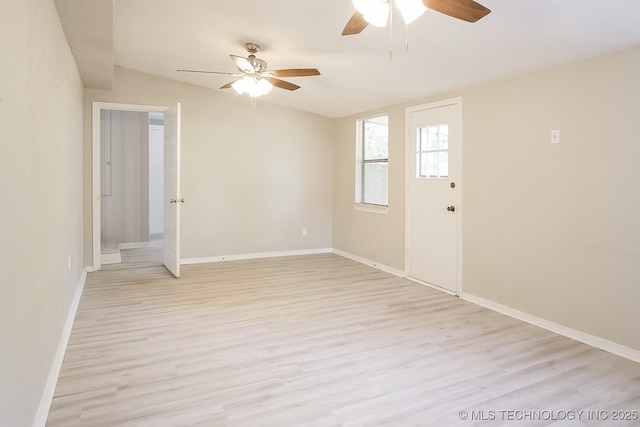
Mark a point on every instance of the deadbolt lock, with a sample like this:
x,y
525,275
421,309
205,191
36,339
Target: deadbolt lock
x,y
452,185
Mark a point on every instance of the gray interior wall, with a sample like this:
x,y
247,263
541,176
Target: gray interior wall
x,y
549,230
125,176
251,179
41,187
156,180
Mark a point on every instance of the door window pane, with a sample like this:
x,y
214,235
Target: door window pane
x,y
432,157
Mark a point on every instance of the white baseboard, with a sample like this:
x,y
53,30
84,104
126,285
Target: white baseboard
x,y
370,263
592,340
52,379
256,255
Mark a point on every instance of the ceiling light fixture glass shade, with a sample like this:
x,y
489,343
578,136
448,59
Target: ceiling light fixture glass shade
x,y
410,9
375,12
254,86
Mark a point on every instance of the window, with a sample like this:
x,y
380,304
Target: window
x,y
433,151
372,160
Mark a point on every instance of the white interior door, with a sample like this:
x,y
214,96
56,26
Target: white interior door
x,y
433,188
172,199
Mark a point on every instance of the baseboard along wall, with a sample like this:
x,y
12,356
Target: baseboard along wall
x,y
54,371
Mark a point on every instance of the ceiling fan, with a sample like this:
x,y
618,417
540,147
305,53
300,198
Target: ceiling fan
x,y
254,78
376,12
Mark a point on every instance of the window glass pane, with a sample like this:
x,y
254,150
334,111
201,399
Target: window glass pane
x,y
375,138
373,160
422,164
433,138
432,164
423,137
375,183
443,137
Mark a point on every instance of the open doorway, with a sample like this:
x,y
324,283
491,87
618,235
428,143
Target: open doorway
x,y
149,239
131,187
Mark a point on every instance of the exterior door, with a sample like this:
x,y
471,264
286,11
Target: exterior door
x,y
433,187
172,199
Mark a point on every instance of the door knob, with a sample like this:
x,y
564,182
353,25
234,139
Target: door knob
x,y
451,208
176,201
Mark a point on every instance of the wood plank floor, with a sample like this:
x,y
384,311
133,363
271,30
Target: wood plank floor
x,y
317,341
139,257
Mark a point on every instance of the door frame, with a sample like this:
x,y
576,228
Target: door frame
x,y
458,194
96,106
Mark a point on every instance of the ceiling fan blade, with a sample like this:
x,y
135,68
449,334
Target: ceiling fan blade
x,y
356,24
243,64
467,10
282,84
295,72
228,85
210,72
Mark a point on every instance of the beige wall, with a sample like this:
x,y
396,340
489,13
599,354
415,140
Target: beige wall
x,y
41,188
550,230
251,179
553,230
374,236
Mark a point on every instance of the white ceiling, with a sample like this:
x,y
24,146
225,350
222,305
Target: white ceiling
x,y
161,36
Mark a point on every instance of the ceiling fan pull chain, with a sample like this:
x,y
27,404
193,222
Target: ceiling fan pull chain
x,y
406,37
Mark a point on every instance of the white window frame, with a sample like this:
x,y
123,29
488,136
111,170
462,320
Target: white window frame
x,y
359,168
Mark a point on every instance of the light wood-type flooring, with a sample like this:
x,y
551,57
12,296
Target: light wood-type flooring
x,y
319,341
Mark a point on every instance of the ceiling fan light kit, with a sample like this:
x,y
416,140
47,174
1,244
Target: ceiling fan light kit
x,y
376,12
255,87
410,9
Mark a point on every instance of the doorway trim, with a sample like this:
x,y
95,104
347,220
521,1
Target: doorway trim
x,y
408,111
96,106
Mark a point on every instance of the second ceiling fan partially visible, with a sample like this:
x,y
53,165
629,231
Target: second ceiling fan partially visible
x,y
375,12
